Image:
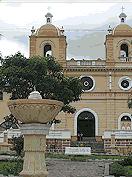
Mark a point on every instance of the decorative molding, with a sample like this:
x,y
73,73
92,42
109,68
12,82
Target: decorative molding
x,y
123,41
43,43
104,69
35,129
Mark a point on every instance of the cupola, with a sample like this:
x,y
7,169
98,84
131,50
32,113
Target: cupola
x,y
48,18
122,16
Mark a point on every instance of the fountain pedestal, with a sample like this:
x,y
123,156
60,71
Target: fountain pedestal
x,y
34,148
34,114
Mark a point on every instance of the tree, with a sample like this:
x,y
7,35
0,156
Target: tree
x,y
130,103
18,144
10,122
20,75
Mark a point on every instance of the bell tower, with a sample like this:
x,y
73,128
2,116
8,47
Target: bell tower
x,y
48,40
118,43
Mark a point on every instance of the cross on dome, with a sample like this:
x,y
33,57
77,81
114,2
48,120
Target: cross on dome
x,y
49,8
122,9
122,16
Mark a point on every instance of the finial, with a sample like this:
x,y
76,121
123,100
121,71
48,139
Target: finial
x,y
33,30
109,29
62,30
34,94
34,88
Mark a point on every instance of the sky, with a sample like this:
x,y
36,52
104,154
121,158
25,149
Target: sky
x,y
16,19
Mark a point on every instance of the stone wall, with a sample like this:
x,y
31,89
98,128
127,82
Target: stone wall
x,y
57,145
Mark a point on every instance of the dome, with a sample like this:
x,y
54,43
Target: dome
x,y
48,30
49,15
123,15
123,30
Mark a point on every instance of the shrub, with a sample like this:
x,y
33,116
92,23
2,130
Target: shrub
x,y
10,168
126,162
17,145
128,171
116,169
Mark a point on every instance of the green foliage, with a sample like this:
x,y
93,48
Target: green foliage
x,y
130,103
123,167
10,168
17,145
20,75
117,170
128,171
126,162
10,122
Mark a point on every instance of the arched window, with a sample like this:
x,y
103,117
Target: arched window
x,y
125,123
48,20
124,50
47,50
125,118
122,20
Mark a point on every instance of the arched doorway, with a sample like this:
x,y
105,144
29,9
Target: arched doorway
x,y
86,124
76,118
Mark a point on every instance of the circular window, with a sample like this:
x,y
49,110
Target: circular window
x,y
88,83
125,83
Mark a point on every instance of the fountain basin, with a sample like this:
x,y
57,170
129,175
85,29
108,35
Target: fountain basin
x,y
34,110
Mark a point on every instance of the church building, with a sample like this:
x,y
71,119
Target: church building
x,y
102,113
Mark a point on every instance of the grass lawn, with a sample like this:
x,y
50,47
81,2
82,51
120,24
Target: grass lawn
x,y
84,157
128,170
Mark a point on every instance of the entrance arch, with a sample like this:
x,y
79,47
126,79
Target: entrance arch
x,y
86,120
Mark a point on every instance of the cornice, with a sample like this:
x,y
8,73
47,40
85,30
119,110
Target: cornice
x,y
115,95
117,35
34,36
103,69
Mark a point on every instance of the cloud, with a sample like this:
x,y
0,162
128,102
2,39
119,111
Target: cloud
x,y
8,47
27,13
16,21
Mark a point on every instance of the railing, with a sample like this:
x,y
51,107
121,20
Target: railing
x,y
53,134
91,63
59,134
125,59
119,134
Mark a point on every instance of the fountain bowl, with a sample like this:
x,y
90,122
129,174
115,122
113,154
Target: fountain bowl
x,y
35,110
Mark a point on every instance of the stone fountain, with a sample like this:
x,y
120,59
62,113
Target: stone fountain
x,y
34,113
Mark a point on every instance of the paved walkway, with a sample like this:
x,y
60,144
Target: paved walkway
x,y
63,168
67,168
